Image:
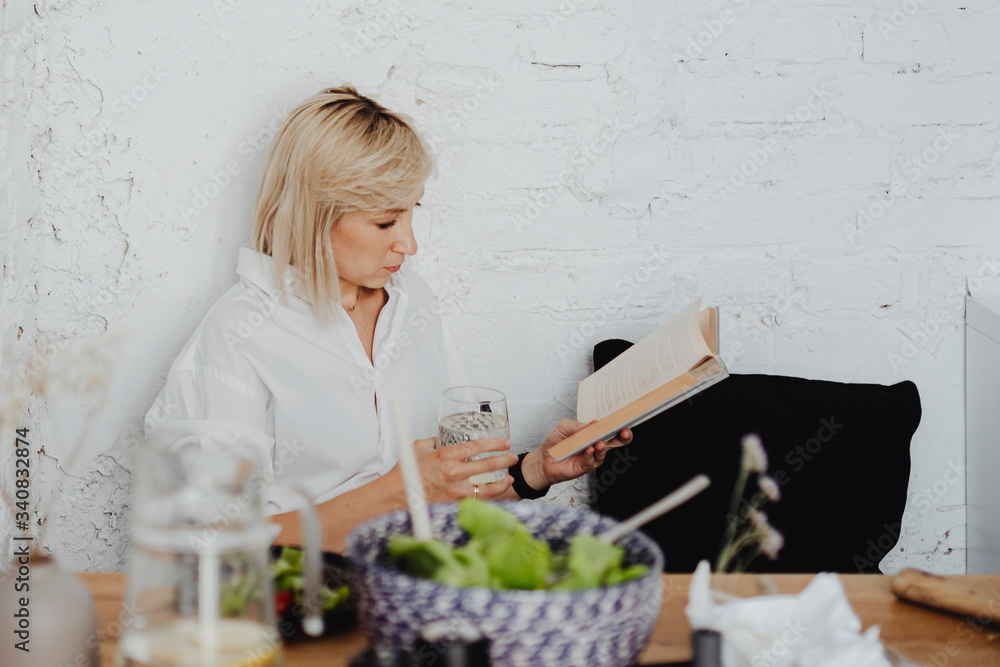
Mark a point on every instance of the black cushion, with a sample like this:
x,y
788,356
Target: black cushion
x,y
840,453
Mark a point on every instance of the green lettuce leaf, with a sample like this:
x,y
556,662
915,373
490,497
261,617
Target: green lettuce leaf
x,y
502,553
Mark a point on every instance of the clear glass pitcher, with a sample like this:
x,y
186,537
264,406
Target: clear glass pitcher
x,y
198,584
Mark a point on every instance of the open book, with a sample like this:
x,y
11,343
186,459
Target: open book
x,y
670,365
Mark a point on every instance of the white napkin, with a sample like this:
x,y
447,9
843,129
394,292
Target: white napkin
x,y
816,628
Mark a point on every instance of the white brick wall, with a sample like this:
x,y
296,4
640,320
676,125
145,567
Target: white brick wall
x,y
779,156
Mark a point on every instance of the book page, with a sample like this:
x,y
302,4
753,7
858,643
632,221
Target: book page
x,y
707,369
708,320
670,350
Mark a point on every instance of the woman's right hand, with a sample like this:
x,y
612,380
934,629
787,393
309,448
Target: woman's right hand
x,y
445,472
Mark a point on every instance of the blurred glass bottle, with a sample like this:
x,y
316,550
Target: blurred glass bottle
x,y
198,576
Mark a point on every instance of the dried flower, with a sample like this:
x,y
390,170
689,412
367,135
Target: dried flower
x,y
771,543
749,534
50,368
754,456
769,487
758,520
769,540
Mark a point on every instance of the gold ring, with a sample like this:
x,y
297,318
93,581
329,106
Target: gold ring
x,y
475,491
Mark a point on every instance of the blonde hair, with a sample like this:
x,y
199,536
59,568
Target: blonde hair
x,y
335,153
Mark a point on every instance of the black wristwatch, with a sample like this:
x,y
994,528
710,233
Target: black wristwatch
x,y
520,486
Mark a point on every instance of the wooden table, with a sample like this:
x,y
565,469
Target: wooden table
x,y
923,636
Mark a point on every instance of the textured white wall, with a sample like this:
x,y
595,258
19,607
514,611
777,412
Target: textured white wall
x,y
18,190
822,170
19,248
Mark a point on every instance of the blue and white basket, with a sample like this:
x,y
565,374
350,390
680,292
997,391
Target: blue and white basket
x,y
600,627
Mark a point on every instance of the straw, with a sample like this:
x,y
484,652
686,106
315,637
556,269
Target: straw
x,y
685,493
208,604
420,518
312,566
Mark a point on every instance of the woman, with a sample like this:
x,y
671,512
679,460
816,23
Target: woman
x,y
296,363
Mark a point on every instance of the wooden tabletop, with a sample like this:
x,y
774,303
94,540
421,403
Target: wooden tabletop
x,y
923,636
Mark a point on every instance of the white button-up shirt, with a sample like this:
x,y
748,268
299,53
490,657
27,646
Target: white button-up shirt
x,y
265,379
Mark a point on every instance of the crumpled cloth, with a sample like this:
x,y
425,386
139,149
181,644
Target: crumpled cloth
x,y
816,628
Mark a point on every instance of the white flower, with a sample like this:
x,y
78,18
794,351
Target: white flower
x,y
759,521
771,543
769,487
769,540
754,456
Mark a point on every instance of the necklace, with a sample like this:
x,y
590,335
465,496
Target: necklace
x,y
351,309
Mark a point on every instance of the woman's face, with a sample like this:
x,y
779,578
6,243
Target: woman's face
x,y
370,246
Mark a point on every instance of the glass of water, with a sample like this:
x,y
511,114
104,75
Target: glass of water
x,y
471,413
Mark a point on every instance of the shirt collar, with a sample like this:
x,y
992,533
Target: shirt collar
x,y
258,268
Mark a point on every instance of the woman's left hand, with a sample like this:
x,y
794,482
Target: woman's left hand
x,y
540,469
